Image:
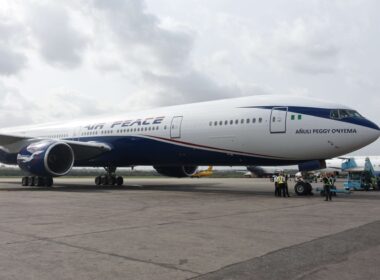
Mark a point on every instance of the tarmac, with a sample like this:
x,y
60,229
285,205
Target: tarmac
x,y
185,229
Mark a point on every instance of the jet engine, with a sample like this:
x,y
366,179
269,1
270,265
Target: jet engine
x,y
179,171
46,158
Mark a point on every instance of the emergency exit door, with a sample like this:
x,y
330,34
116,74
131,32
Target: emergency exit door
x,y
175,128
278,120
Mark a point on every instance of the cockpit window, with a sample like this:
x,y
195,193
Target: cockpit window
x,y
355,114
334,114
344,113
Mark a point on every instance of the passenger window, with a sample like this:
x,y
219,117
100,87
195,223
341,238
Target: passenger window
x,y
231,122
273,119
210,124
248,120
236,121
254,120
225,122
242,121
220,123
215,123
260,120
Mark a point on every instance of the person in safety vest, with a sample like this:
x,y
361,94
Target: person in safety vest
x,y
277,190
281,184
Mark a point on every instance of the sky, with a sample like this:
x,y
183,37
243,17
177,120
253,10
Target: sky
x,y
61,60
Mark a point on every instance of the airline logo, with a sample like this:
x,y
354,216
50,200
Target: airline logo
x,y
127,123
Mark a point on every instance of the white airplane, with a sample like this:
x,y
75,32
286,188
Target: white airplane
x,y
257,130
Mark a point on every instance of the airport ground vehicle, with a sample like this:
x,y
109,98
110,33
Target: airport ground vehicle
x,y
364,179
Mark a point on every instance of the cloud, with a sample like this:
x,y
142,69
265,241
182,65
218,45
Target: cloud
x,y
64,104
14,107
12,58
59,43
141,36
195,87
304,46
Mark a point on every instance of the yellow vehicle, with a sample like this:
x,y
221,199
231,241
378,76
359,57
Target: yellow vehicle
x,y
203,173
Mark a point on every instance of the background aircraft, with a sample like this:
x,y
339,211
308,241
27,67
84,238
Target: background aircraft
x,y
203,173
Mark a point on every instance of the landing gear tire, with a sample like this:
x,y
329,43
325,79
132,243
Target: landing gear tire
x,y
104,180
98,181
119,181
24,181
110,179
302,188
32,181
37,181
309,189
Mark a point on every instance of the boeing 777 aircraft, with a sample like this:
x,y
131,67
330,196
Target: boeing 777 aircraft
x,y
257,130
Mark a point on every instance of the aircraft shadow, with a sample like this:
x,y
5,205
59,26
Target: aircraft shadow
x,y
207,188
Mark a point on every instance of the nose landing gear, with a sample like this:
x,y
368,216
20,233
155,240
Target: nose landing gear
x,y
109,179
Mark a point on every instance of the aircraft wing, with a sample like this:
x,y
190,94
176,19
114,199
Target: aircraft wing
x,y
82,150
10,139
87,150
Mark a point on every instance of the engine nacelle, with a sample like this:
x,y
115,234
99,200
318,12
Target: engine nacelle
x,y
46,158
179,171
312,165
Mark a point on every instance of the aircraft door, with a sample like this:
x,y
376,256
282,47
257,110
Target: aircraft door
x,y
278,119
175,127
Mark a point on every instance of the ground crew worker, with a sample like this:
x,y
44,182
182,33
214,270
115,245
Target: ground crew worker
x,y
277,191
332,184
374,183
286,185
281,184
327,188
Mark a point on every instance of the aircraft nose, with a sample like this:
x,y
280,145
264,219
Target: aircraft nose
x,y
375,130
376,127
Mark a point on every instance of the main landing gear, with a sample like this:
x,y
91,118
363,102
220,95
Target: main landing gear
x,y
37,181
303,188
109,179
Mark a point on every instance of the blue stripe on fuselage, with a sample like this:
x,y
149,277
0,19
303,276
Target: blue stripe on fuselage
x,y
139,150
320,113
